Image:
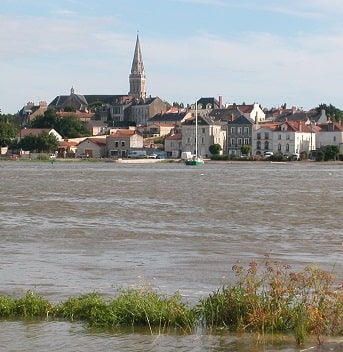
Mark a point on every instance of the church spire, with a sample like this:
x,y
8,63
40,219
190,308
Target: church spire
x,y
137,77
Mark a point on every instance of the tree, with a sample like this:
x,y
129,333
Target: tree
x,y
69,127
331,153
45,142
7,133
215,149
48,120
331,112
246,149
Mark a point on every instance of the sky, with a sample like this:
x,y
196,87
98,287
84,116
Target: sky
x,y
269,52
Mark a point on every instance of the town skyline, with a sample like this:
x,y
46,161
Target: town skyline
x,y
285,53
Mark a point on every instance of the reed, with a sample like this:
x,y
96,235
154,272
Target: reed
x,y
30,306
268,297
141,306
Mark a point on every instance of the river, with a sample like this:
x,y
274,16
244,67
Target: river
x,y
69,228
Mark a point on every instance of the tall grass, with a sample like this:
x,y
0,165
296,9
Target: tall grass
x,y
269,297
29,306
140,306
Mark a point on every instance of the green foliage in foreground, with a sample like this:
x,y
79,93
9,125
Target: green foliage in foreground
x,y
267,297
136,307
270,298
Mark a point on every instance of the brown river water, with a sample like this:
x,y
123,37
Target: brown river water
x,y
70,228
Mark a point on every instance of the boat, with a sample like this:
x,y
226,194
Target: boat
x,y
195,160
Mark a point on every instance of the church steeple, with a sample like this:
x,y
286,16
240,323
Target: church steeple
x,y
137,76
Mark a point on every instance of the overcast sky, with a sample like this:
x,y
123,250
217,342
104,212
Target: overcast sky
x,y
266,51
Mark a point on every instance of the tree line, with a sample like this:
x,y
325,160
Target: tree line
x,y
68,127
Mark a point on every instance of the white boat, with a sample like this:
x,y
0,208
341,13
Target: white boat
x,y
196,159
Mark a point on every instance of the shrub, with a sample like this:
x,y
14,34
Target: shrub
x,y
272,298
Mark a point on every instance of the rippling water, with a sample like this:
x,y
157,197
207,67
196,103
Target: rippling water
x,y
78,227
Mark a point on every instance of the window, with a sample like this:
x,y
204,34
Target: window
x,y
123,143
116,144
232,130
239,130
279,136
266,145
246,130
203,130
258,135
188,139
239,141
279,148
334,138
246,141
287,148
258,147
266,135
287,136
233,141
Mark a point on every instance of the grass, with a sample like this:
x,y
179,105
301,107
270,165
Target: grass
x,y
267,297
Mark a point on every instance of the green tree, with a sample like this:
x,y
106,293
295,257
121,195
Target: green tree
x,y
48,120
246,149
331,111
7,133
215,149
71,127
29,142
331,153
45,142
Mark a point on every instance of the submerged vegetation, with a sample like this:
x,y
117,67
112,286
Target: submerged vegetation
x,y
267,297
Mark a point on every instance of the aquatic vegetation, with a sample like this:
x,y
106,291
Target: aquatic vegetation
x,y
269,297
30,306
140,306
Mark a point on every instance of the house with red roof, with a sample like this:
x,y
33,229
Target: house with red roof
x,y
121,142
94,147
288,138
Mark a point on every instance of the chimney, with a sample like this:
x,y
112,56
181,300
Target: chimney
x,y
220,101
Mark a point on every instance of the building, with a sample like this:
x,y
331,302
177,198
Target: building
x,y
120,143
173,145
329,133
94,147
143,109
137,77
239,134
287,138
208,132
30,111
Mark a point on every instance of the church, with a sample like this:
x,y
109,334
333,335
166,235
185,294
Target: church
x,y
132,109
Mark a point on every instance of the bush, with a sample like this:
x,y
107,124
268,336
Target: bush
x,y
272,298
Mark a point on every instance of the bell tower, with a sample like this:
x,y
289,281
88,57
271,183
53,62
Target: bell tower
x,y
137,76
